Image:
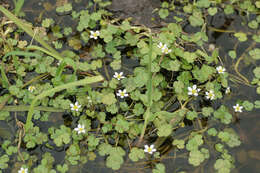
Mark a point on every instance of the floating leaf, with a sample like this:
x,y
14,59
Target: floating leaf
x,y
164,130
136,154
241,36
232,54
248,105
178,143
212,11
196,157
255,53
159,168
223,114
108,99
204,73
207,111
194,143
191,115
223,166
212,131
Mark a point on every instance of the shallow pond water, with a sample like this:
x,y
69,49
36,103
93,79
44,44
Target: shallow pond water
x,y
247,124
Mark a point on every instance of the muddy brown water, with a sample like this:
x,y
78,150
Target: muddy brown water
x,y
247,155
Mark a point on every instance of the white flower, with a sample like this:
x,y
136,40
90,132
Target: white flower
x,y
118,76
227,90
149,149
31,88
121,93
220,69
23,170
193,90
94,34
238,108
210,95
164,48
160,45
80,129
75,107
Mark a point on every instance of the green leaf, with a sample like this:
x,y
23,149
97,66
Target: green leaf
x,y
4,161
194,143
191,115
223,166
223,114
203,3
212,132
164,130
255,53
136,154
178,86
229,9
196,157
4,115
112,108
178,143
232,54
189,57
207,111
114,162
62,135
125,25
224,136
230,137
122,126
104,149
257,104
212,11
62,168
171,65
141,76
253,24
204,73
219,147
131,39
196,20
98,51
138,109
159,168
163,13
108,99
248,105
241,36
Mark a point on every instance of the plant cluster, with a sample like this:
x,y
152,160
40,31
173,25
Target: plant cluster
x,y
119,111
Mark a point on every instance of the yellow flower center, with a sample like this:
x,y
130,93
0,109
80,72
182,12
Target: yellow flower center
x,y
237,108
75,107
149,150
23,171
95,34
166,50
81,129
193,91
210,95
122,94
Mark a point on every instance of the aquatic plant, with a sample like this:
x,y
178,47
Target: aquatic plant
x,y
117,110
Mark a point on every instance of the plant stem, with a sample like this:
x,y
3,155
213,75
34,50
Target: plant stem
x,y
87,80
28,29
149,92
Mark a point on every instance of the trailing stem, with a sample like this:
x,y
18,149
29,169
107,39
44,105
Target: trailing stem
x,y
87,80
149,92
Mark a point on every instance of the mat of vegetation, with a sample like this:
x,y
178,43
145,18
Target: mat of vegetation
x,y
103,86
